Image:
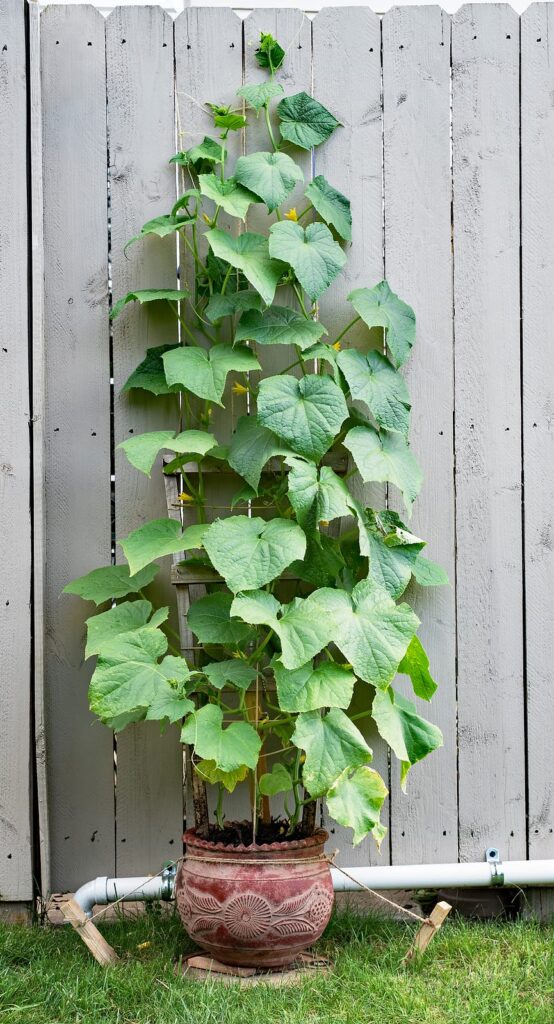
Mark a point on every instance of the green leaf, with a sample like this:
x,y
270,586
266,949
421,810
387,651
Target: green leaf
x,y
250,552
269,53
258,96
150,374
128,677
209,619
392,552
331,205
148,295
102,629
410,736
209,150
143,449
312,253
304,121
229,304
279,326
380,307
415,664
384,457
209,771
271,176
251,447
371,630
230,748
300,626
231,196
234,670
307,688
316,494
250,254
113,581
230,121
276,781
205,372
158,538
162,226
373,380
428,573
168,704
355,800
332,743
322,562
307,412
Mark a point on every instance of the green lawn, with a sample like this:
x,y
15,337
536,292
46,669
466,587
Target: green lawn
x,y
471,974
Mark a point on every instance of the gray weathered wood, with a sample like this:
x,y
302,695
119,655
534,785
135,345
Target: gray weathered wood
x,y
15,544
537,216
351,160
418,265
77,431
140,97
491,742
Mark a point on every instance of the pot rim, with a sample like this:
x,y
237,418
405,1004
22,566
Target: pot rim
x,y
318,838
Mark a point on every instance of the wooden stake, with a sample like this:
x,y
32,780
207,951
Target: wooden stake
x,y
254,715
428,930
100,949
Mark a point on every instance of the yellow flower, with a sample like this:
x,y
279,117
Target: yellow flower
x,y
337,346
239,389
292,214
185,497
144,945
324,522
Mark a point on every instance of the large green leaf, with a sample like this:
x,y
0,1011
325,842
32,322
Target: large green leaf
x,y
323,561
304,121
380,307
229,194
205,372
234,670
355,800
251,447
278,780
231,303
316,494
279,326
415,664
209,619
385,457
162,226
258,96
150,374
312,253
113,581
170,704
250,552
148,295
129,615
307,688
410,736
230,747
373,380
209,772
428,573
271,176
270,53
369,628
250,254
143,449
129,677
300,625
209,151
158,538
393,551
307,412
331,205
332,743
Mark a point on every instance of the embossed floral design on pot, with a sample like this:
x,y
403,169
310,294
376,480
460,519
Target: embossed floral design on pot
x,y
259,905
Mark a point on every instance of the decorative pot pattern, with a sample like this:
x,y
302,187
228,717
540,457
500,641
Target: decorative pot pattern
x,y
255,905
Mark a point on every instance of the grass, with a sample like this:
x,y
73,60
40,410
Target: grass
x,y
471,974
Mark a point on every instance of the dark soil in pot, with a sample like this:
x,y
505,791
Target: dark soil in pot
x,y
257,904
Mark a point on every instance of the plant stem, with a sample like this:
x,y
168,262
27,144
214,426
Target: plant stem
x,y
306,210
269,128
347,328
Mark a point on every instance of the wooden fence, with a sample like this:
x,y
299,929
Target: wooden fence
x,y
447,153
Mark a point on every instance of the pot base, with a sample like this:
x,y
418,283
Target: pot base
x,y
202,968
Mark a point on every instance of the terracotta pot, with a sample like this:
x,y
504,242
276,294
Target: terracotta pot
x,y
255,905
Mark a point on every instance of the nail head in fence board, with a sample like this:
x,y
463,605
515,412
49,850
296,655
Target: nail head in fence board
x,y
488,440
418,263
77,430
15,544
140,90
351,160
537,213
88,932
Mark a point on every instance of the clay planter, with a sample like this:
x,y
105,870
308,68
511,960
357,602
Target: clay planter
x,y
256,906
